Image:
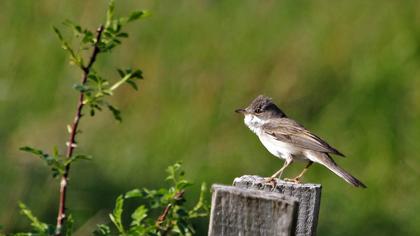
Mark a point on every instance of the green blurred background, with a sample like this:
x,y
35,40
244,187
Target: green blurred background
x,y
347,70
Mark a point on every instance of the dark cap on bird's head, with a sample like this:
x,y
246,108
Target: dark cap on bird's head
x,y
264,107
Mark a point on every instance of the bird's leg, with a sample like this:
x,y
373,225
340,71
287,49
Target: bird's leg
x,y
297,178
287,162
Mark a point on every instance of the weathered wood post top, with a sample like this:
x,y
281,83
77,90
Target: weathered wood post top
x,y
253,207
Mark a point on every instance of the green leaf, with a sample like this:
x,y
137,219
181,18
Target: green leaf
x,y
54,161
93,77
76,158
138,215
182,226
82,157
102,230
34,151
127,76
122,35
137,74
37,225
182,184
76,28
117,214
173,171
74,58
55,152
110,13
121,73
133,194
88,37
115,112
82,88
137,15
133,84
69,225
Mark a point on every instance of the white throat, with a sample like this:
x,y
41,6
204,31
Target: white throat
x,y
254,123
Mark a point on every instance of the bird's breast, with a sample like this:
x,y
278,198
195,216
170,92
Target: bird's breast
x,y
281,149
277,148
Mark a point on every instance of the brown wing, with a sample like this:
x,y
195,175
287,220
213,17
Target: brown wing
x,y
289,131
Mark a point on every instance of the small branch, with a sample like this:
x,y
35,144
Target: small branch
x,y
165,213
71,144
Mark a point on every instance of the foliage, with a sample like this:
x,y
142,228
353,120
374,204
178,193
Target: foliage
x,y
96,88
38,227
93,91
174,219
57,162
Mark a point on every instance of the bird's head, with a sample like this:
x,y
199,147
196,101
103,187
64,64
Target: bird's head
x,y
263,108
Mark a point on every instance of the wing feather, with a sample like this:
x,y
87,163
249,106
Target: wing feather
x,y
289,131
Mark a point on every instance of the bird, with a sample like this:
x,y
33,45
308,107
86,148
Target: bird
x,y
286,139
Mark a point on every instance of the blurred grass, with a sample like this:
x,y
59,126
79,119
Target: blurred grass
x,y
348,70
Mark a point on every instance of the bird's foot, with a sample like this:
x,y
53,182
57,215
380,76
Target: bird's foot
x,y
295,180
271,181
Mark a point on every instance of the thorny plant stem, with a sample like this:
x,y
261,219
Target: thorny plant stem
x,y
72,140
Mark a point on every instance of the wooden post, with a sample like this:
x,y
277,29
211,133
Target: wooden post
x,y
237,211
254,207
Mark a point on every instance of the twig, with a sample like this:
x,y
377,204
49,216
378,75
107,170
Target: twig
x,y
72,140
165,213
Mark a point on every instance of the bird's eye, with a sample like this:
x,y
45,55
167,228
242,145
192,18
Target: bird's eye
x,y
258,110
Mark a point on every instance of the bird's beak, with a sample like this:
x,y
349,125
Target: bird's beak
x,y
243,111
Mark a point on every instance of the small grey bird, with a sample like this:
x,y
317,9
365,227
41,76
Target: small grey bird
x,y
288,140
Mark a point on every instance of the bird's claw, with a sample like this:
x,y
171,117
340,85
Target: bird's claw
x,y
271,182
295,180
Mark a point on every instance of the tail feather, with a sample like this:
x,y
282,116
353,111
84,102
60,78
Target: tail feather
x,y
328,162
346,176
